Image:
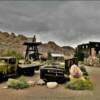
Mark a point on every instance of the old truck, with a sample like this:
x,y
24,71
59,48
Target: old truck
x,y
8,67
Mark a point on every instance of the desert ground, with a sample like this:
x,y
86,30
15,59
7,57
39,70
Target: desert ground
x,y
59,93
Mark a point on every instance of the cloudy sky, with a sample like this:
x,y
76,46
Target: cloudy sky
x,y
65,22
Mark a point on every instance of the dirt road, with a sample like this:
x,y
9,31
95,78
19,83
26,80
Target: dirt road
x,y
60,93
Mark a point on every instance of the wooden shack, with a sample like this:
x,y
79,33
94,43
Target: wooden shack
x,y
89,48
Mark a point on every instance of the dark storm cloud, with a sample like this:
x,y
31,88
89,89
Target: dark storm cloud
x,y
65,22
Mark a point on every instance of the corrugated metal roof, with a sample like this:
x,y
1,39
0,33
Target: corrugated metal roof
x,y
57,55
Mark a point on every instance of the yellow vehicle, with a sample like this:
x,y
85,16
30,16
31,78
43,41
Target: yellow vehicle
x,y
8,67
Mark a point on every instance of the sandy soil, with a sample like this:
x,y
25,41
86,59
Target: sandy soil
x,y
60,93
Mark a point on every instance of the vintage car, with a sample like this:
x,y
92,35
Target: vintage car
x,y
8,67
53,73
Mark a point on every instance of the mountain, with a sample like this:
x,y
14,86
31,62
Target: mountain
x,y
69,50
54,48
13,41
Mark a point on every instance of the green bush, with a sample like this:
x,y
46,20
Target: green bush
x,y
83,69
17,84
49,56
79,84
11,52
80,55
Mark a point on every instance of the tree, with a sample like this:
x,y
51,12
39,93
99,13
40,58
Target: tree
x,y
49,55
79,55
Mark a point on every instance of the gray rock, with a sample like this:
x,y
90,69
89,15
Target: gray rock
x,y
41,82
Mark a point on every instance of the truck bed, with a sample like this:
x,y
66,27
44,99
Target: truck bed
x,y
26,66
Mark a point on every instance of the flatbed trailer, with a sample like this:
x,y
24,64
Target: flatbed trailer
x,y
27,69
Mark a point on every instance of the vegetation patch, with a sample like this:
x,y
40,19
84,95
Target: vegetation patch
x,y
17,84
10,52
79,84
83,69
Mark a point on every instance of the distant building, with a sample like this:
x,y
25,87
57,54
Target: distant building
x,y
57,56
89,49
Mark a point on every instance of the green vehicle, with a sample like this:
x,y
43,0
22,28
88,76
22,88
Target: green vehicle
x,y
8,67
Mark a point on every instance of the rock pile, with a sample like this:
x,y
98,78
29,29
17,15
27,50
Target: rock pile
x,y
92,61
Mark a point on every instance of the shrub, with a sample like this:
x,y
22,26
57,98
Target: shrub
x,y
49,56
83,69
79,84
10,52
17,84
80,55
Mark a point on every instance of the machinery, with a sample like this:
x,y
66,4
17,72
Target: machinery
x,y
27,68
32,47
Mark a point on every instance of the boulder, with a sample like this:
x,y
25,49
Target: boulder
x,y
75,72
31,83
52,85
41,82
92,61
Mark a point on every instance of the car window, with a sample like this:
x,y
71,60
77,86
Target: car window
x,y
12,61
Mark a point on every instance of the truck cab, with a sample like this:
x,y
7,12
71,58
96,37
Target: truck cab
x,y
8,66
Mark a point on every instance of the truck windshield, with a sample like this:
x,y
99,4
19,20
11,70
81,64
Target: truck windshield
x,y
12,61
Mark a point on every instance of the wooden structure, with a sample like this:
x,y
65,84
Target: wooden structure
x,y
69,63
33,48
88,48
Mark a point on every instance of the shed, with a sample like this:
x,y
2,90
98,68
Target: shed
x,y
57,56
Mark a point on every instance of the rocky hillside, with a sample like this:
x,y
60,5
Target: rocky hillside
x,y
69,50
13,41
54,48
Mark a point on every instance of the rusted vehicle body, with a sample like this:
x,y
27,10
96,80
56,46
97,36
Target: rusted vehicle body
x,y
8,66
53,73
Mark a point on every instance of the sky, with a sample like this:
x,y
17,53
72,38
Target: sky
x,y
65,22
